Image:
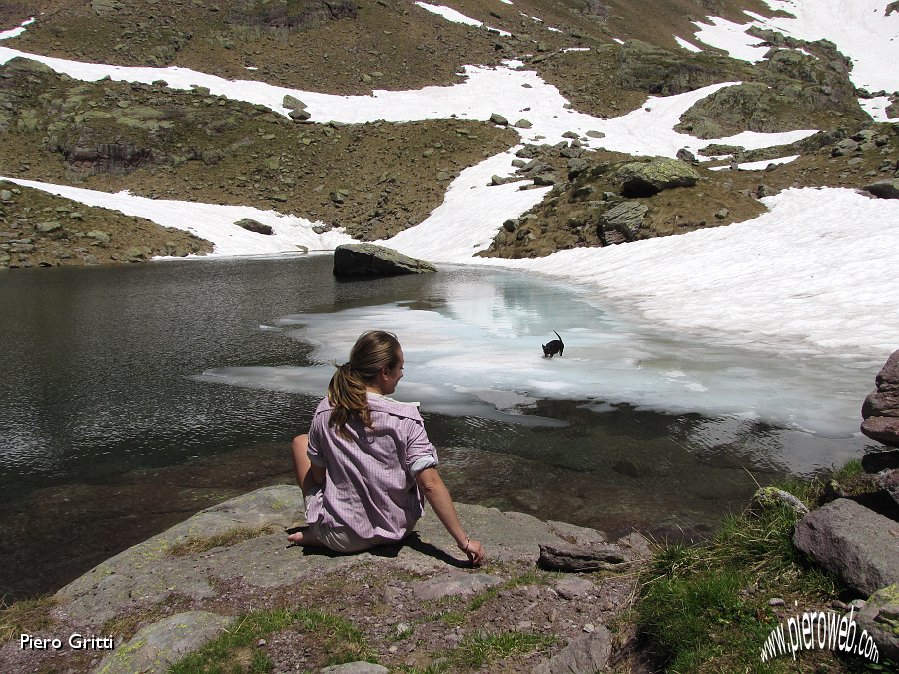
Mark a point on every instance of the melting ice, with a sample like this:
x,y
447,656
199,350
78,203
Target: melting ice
x,y
476,351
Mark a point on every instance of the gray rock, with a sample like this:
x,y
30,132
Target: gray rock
x,y
886,189
523,124
586,653
576,167
366,259
844,147
47,227
573,588
880,618
579,558
645,178
155,648
299,115
255,226
499,119
623,219
685,155
856,544
452,584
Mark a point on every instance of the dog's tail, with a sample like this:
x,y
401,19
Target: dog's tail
x,y
557,335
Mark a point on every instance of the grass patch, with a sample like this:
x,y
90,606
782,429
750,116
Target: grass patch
x,y
235,650
481,649
28,616
706,608
194,545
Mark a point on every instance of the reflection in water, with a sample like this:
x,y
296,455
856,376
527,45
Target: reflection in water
x,y
115,422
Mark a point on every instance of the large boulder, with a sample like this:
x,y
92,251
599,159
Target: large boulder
x,y
645,178
880,410
367,259
858,545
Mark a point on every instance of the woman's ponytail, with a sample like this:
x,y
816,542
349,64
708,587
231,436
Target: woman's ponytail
x,y
373,351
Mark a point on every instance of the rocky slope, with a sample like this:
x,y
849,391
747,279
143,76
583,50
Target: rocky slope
x,y
378,179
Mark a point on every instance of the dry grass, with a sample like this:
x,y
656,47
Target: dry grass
x,y
195,545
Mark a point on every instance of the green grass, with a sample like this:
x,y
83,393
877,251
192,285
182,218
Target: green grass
x,y
706,608
480,649
235,650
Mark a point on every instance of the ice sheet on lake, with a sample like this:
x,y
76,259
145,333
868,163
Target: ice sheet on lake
x,y
480,353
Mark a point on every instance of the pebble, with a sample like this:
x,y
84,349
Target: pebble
x,y
589,627
776,601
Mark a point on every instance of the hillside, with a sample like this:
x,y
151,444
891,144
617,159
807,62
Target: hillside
x,y
379,178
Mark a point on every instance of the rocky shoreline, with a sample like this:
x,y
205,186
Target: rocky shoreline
x,y
232,559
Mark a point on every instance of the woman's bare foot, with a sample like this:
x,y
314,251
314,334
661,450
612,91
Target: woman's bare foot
x,y
296,538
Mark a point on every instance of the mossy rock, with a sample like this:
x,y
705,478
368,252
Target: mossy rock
x,y
645,178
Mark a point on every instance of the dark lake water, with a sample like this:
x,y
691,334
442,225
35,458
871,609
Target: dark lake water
x,y
112,429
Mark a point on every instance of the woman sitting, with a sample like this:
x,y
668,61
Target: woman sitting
x,y
367,465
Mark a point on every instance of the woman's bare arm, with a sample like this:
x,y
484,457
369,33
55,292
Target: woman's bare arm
x,y
438,496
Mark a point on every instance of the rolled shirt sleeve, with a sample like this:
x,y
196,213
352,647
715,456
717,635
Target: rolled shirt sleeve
x,y
420,453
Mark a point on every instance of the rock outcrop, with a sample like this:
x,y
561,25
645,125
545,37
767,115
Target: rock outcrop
x,y
367,259
881,408
183,587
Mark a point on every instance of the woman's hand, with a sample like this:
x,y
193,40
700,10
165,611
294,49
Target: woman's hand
x,y
474,550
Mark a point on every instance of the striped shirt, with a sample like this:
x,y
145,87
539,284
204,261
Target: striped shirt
x,y
370,485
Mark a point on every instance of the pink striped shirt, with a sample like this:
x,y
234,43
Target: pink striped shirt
x,y
370,485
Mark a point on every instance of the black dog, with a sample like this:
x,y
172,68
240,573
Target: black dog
x,y
554,347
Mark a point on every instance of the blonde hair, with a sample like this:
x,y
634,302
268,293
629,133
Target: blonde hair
x,y
373,350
